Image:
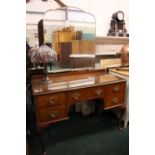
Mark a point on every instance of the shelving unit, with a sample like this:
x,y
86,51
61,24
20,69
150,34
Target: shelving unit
x,y
108,49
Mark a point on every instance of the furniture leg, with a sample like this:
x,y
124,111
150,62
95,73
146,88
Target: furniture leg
x,y
39,133
27,141
126,120
122,112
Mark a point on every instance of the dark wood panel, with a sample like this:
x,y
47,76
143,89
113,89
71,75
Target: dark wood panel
x,y
41,32
66,50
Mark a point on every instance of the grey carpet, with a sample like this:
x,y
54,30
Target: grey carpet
x,y
84,135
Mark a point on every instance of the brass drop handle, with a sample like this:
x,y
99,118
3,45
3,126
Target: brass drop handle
x,y
116,88
115,100
98,92
52,100
53,114
76,96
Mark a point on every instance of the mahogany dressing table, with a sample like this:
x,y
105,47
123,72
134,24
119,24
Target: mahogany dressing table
x,y
52,102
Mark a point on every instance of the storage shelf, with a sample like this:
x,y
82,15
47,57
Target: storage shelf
x,y
112,40
106,54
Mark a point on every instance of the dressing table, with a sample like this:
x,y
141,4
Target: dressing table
x,y
74,42
52,102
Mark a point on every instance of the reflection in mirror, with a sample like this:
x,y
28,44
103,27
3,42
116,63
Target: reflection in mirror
x,y
71,32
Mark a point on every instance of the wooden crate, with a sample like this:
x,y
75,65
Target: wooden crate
x,y
83,47
65,36
75,46
87,46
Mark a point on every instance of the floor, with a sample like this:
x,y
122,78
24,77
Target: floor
x,y
96,134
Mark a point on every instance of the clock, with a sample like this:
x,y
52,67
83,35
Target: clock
x,y
120,15
118,25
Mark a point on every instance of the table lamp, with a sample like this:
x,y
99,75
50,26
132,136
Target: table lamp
x,y
43,55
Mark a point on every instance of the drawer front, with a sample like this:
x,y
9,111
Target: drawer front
x,y
113,100
50,100
116,88
85,94
52,114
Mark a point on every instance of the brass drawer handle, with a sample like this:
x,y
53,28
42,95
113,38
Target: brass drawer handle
x,y
98,92
115,100
116,88
76,96
52,100
53,114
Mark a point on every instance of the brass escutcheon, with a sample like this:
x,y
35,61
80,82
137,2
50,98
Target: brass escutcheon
x,y
53,114
76,96
52,100
116,88
115,100
98,92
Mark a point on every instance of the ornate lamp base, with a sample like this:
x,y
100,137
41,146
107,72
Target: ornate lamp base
x,y
46,80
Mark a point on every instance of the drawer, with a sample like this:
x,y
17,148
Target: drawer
x,y
113,100
85,94
52,114
115,88
50,100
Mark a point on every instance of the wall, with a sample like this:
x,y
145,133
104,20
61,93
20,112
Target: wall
x,y
102,10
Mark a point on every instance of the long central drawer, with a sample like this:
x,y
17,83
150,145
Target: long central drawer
x,y
85,94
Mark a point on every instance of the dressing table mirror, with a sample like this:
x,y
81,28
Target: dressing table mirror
x,y
71,32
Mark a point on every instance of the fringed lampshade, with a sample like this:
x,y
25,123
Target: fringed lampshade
x,y
43,55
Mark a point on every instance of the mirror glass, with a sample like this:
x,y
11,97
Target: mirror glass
x,y
71,32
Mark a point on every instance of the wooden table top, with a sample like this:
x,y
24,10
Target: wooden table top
x,y
72,82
